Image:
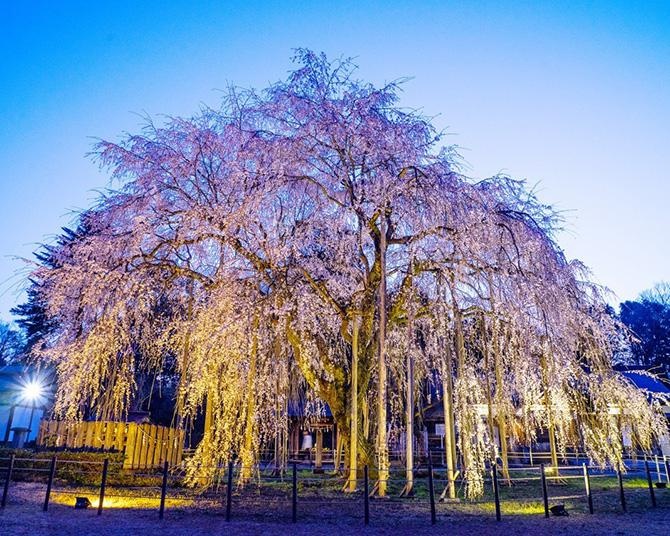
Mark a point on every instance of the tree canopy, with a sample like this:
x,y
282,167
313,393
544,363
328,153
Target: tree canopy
x,y
316,237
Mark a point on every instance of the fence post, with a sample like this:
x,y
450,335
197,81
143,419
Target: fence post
x,y
587,487
496,491
622,497
229,490
295,493
667,470
651,485
103,484
10,468
161,511
366,494
545,494
52,473
431,490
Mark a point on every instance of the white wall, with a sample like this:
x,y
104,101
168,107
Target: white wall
x,y
21,419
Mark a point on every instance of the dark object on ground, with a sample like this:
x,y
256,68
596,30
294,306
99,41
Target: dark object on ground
x,y
81,503
661,485
558,510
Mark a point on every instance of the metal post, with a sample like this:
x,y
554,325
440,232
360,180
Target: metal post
x,y
30,422
52,473
366,494
103,484
161,511
10,468
667,470
651,485
431,490
496,491
621,494
229,490
587,487
545,494
295,493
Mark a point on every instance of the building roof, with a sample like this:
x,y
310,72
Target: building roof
x,y
649,382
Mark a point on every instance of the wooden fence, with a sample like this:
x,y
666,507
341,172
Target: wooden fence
x,y
144,445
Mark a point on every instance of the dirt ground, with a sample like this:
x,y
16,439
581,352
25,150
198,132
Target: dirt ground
x,y
24,516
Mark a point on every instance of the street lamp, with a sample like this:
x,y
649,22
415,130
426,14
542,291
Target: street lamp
x,y
32,392
29,392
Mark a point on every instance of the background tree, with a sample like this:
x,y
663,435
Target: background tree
x,y
648,319
12,344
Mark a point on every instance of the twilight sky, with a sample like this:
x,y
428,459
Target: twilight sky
x,y
574,97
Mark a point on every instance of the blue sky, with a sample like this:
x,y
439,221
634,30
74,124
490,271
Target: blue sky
x,y
572,96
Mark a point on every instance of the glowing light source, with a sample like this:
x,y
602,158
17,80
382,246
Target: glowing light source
x,y
32,390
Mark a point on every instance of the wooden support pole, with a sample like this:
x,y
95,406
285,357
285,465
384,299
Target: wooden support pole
x,y
622,497
8,478
545,494
587,487
353,439
366,495
431,490
295,493
318,460
103,485
652,495
52,473
496,490
161,511
229,490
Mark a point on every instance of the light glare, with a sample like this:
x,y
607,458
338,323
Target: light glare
x,y
32,391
